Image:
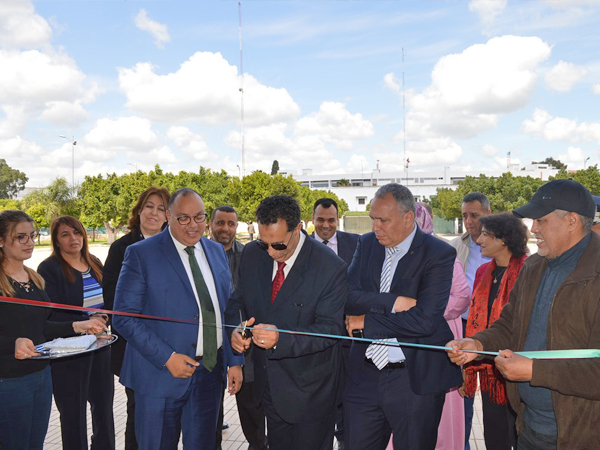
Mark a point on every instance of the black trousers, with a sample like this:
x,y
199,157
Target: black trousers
x,y
383,402
75,381
130,441
314,435
499,421
252,417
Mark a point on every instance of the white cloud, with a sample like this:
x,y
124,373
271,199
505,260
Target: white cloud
x,y
21,27
560,128
487,10
204,89
471,90
129,136
193,145
490,150
159,31
564,75
48,85
392,83
574,158
596,88
264,144
335,124
358,164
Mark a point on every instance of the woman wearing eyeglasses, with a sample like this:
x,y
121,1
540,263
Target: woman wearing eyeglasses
x,y
503,238
73,276
26,386
148,218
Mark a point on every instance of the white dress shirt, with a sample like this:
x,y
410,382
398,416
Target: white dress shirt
x,y
331,243
210,284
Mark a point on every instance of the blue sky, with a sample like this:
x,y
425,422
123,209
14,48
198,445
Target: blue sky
x,y
139,83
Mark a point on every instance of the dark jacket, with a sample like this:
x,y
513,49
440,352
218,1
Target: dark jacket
x,y
573,323
61,291
302,371
425,274
346,245
30,322
110,276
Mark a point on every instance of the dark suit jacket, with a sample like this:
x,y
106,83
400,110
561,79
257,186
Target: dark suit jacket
x,y
153,281
110,276
346,245
424,273
302,371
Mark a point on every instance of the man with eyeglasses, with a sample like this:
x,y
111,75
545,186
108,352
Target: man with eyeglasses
x,y
288,281
177,370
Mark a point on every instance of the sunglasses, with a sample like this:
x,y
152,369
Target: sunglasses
x,y
279,246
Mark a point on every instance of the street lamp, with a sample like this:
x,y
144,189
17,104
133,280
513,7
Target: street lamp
x,y
239,171
585,162
73,144
133,165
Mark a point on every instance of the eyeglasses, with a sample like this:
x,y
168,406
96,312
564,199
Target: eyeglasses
x,y
279,246
24,238
198,218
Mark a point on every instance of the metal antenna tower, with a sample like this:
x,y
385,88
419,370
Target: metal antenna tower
x,y
241,73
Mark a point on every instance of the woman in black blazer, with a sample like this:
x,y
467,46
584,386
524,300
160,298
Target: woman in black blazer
x,y
148,218
25,386
73,276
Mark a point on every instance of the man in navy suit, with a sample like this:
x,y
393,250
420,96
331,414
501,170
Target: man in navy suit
x,y
325,219
177,370
388,388
289,281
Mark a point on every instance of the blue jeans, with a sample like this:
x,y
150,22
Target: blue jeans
x,y
25,404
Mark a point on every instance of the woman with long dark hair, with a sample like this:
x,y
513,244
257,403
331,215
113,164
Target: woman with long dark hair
x,y
74,276
503,238
26,386
148,218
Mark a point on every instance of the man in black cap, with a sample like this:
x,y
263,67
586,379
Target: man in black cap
x,y
555,305
596,225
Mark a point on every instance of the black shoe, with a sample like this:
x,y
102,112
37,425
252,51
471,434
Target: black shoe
x,y
225,425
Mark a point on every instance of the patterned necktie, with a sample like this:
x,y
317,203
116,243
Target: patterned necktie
x,y
209,321
277,281
326,242
379,354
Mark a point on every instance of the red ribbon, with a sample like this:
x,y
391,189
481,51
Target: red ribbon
x,y
22,301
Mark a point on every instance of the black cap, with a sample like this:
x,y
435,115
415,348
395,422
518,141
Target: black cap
x,y
567,195
597,202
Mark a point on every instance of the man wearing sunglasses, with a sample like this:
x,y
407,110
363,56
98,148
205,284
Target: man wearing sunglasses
x,y
289,281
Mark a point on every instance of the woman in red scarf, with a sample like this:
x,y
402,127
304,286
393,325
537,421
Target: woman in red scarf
x,y
503,238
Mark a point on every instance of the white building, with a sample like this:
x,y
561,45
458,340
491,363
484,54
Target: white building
x,y
421,184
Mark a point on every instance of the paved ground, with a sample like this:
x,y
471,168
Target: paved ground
x,y
233,439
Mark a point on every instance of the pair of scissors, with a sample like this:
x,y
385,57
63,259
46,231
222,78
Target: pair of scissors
x,y
246,334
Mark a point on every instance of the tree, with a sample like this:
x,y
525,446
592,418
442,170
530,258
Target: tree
x,y
343,183
9,204
46,204
506,193
553,162
307,200
247,193
589,177
275,167
12,180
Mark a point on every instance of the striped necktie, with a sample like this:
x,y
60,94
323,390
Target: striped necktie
x,y
379,354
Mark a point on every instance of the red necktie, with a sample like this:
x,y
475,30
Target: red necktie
x,y
277,281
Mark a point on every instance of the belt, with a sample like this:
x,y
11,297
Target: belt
x,y
199,358
390,365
